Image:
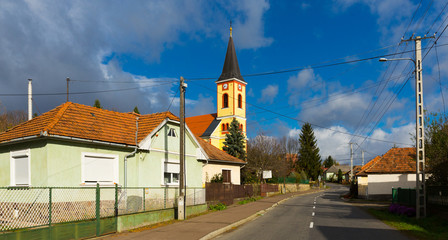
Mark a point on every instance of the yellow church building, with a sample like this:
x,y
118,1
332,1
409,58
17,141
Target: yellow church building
x,y
231,103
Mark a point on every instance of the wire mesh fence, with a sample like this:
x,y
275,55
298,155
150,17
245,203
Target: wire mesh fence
x,y
39,206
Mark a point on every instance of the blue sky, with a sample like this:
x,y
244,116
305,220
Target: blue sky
x,y
145,46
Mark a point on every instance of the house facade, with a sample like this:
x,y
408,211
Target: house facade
x,y
395,169
76,145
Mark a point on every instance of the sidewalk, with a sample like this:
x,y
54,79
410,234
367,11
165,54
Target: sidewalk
x,y
209,225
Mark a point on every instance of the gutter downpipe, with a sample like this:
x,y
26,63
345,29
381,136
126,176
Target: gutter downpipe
x,y
130,154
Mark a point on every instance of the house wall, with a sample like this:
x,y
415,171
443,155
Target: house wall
x,y
58,163
210,169
362,187
382,184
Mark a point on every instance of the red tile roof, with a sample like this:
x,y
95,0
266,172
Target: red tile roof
x,y
367,166
86,122
198,124
215,153
396,160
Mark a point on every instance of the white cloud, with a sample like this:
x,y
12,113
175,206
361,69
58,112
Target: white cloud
x,y
203,105
268,94
305,79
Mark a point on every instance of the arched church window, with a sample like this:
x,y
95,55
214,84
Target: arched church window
x,y
225,100
227,126
240,101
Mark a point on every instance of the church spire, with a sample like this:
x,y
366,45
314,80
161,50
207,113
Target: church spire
x,y
231,68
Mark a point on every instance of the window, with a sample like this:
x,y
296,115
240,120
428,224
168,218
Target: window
x,y
227,126
225,100
171,172
99,168
20,168
223,126
226,176
172,132
240,101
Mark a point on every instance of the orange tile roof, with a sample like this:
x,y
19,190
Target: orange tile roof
x,y
396,160
86,122
367,166
215,153
198,124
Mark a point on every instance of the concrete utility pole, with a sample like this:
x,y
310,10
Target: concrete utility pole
x,y
68,80
181,198
30,99
419,125
351,161
362,154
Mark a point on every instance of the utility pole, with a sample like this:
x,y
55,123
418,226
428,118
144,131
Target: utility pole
x,y
181,198
420,189
351,161
68,80
362,154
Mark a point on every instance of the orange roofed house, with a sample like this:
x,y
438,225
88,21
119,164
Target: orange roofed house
x,y
396,168
231,104
78,145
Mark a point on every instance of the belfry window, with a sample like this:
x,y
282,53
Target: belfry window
x,y
240,101
225,100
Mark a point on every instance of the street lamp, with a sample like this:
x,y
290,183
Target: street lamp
x,y
420,189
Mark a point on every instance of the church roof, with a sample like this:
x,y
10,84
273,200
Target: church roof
x,y
231,68
203,125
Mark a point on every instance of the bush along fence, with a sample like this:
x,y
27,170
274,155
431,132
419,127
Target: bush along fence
x,y
50,207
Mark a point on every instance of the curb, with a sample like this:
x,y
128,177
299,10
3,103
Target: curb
x,y
250,218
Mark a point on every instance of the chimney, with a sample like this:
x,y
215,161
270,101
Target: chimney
x,y
30,99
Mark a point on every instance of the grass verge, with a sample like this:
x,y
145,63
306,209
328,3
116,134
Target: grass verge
x,y
424,228
248,200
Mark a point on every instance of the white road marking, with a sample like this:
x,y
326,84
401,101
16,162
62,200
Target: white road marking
x,y
312,214
314,207
311,225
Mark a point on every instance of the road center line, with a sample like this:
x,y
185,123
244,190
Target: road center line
x,y
314,207
311,224
312,214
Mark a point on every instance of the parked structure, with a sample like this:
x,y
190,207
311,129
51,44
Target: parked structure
x,y
394,169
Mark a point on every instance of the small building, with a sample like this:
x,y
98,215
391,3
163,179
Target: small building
x,y
332,172
395,169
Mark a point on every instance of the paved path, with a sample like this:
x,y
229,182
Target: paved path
x,y
198,227
316,216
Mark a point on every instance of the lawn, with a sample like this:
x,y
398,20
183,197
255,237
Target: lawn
x,y
432,227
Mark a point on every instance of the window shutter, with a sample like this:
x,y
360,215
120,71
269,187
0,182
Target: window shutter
x,y
21,170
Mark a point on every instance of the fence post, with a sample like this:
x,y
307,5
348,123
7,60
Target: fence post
x,y
97,209
50,201
116,200
144,201
164,198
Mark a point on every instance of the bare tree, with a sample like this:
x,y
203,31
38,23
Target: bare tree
x,y
11,118
266,153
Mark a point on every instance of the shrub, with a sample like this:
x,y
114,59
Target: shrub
x,y
402,210
217,178
217,207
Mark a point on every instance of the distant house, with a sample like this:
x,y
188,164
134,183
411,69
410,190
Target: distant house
x,y
332,172
217,162
396,168
77,145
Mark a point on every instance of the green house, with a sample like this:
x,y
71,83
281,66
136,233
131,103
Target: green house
x,y
77,145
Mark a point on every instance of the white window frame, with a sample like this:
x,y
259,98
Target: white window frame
x,y
163,171
112,157
16,154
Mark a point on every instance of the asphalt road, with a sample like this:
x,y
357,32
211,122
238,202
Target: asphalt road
x,y
316,216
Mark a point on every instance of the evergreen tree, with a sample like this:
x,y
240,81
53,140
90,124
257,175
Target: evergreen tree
x,y
309,158
97,104
329,162
234,143
136,110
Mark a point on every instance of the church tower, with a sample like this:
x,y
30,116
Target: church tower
x,y
231,89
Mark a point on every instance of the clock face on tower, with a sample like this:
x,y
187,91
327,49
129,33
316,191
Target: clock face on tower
x,y
239,86
225,86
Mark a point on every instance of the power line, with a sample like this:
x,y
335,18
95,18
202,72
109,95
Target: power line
x,y
299,120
